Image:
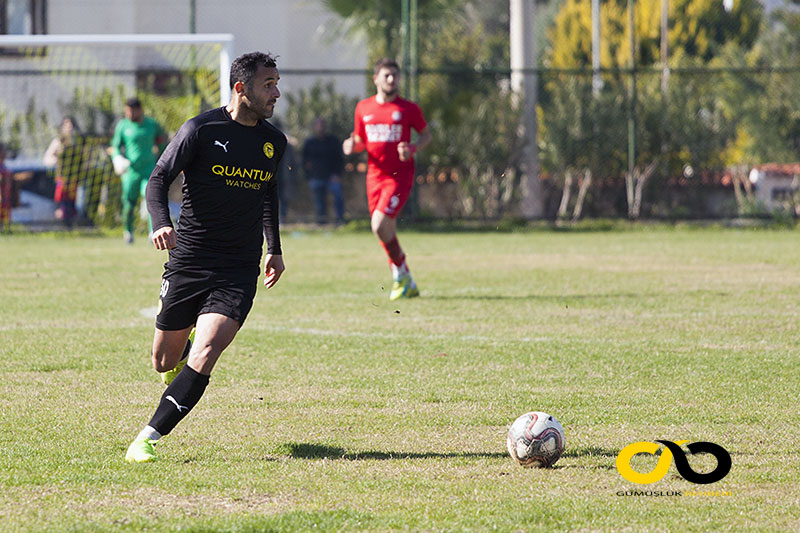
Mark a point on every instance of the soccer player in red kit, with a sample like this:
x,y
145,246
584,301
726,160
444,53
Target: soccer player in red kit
x,y
383,126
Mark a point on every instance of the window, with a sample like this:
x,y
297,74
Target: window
x,y
22,17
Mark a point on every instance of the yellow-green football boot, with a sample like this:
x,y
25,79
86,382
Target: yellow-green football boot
x,y
141,450
169,375
403,287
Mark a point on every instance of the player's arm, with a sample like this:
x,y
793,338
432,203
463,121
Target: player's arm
x,y
51,154
118,160
164,237
273,265
171,163
353,144
424,139
116,141
407,150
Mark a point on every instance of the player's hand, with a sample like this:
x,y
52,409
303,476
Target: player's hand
x,y
405,150
165,238
347,145
273,268
120,164
353,144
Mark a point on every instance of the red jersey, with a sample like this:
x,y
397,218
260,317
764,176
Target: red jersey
x,y
382,127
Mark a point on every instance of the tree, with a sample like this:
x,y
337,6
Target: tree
x,y
321,100
682,130
380,21
470,109
698,28
684,124
766,104
579,135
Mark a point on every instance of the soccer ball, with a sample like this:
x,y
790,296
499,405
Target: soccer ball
x,y
536,439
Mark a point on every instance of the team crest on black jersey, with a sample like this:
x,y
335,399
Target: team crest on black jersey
x,y
269,150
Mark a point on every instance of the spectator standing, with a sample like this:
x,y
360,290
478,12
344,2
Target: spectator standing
x,y
67,153
323,162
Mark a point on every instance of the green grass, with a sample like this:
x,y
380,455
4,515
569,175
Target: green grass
x,y
335,409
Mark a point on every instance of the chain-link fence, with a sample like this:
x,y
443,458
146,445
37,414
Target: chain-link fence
x,y
712,131
700,138
60,99
654,108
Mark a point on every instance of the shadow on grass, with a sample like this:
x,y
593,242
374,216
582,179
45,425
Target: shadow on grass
x,y
305,450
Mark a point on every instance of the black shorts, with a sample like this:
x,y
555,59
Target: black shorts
x,y
185,295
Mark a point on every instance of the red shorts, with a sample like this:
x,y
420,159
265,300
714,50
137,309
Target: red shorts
x,y
64,193
388,194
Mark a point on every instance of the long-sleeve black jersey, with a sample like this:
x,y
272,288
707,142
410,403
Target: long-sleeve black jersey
x,y
230,195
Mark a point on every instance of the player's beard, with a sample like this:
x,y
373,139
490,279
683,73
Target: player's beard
x,y
260,110
268,110
389,89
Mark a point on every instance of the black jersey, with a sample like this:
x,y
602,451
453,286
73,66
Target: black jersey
x,y
230,195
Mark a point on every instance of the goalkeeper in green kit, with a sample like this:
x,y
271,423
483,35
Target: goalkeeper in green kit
x,y
137,143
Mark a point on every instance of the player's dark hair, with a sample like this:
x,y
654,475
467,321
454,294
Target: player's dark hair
x,y
133,103
244,67
385,62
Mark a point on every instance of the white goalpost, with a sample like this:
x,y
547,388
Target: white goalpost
x,y
46,76
88,78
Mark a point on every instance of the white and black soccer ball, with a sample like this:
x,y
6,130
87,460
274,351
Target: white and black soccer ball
x,y
536,440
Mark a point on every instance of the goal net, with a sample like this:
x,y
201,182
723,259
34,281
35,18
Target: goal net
x,y
88,78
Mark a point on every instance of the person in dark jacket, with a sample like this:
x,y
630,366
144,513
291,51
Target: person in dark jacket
x,y
323,162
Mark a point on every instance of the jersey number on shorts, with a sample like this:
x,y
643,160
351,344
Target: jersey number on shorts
x,y
164,287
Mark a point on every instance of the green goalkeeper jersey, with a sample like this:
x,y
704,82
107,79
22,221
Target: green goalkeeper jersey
x,y
135,141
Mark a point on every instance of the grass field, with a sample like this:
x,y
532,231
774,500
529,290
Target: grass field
x,y
336,409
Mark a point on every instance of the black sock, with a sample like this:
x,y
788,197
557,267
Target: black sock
x,y
182,394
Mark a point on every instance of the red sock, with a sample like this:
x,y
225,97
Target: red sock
x,y
394,252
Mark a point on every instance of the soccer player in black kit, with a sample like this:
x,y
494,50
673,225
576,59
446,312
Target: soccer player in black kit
x,y
228,157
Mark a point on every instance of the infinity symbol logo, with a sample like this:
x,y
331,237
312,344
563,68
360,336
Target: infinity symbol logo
x,y
673,450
